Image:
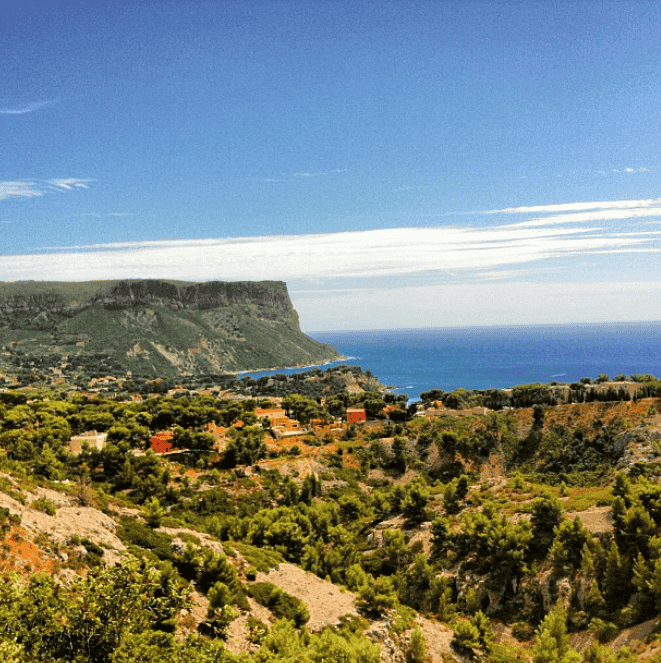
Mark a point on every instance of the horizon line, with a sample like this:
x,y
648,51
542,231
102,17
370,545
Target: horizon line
x,y
496,326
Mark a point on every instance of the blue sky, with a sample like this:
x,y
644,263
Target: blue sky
x,y
398,164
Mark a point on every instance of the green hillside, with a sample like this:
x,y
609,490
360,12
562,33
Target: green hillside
x,y
151,328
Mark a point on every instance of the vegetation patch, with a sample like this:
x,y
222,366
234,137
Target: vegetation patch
x,y
134,532
280,603
262,559
45,505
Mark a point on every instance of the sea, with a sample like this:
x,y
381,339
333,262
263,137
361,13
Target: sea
x,y
412,361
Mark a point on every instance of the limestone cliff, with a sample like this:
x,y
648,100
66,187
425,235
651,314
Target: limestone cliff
x,y
157,327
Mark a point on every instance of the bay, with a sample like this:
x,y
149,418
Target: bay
x,y
417,360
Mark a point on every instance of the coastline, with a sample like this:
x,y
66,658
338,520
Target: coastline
x,y
289,368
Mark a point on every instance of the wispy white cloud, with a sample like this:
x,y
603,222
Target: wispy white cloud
x,y
386,253
290,177
19,190
69,183
34,189
479,304
26,108
583,217
319,174
578,207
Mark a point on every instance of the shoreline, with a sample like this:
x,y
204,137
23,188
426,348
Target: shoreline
x,y
289,368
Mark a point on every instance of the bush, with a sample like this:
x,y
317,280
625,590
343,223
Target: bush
x,y
261,559
376,596
216,569
280,603
466,636
45,505
417,649
7,520
257,630
92,548
132,531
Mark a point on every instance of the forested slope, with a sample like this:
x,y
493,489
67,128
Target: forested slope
x,y
523,534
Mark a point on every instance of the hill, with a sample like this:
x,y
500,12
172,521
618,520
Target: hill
x,y
150,328
500,536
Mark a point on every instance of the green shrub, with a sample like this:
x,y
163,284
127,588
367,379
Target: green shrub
x,y
377,595
92,548
257,630
217,569
280,603
466,636
134,532
523,631
7,520
261,558
417,649
45,505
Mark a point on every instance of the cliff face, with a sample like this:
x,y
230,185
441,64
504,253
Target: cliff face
x,y
198,296
30,304
162,327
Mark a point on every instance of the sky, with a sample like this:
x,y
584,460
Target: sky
x,y
397,163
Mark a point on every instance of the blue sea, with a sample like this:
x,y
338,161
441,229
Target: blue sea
x,y
416,360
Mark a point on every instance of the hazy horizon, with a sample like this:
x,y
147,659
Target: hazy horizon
x,y
457,327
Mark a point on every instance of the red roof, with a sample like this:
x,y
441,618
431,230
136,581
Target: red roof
x,y
161,442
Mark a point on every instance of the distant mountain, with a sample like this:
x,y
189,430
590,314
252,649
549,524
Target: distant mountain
x,y
152,328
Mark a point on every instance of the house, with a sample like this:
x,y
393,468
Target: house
x,y
93,440
279,419
270,412
356,415
162,442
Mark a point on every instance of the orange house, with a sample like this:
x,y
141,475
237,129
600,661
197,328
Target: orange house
x,y
355,415
162,442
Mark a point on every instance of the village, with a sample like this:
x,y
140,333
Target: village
x,y
280,431
283,431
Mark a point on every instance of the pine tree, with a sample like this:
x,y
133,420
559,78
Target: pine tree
x,y
417,649
622,488
451,498
440,531
616,582
483,626
417,496
587,561
440,598
546,516
595,602
597,653
553,644
466,635
400,453
153,513
566,551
